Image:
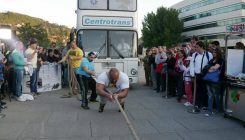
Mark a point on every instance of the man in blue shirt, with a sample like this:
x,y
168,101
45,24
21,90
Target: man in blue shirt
x,y
86,72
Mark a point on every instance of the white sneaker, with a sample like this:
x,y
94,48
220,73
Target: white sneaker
x,y
21,98
28,97
209,114
184,96
187,104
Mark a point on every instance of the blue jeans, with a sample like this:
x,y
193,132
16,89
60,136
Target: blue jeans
x,y
213,92
18,81
34,81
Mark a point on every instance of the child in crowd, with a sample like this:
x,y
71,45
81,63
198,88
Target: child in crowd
x,y
187,81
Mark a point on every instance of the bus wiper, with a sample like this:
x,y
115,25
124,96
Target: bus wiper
x,y
116,50
100,49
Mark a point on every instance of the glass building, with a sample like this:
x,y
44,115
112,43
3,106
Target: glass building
x,y
208,19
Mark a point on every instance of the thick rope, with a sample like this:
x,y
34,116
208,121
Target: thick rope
x,y
136,137
73,83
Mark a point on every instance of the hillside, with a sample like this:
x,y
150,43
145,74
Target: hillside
x,y
55,31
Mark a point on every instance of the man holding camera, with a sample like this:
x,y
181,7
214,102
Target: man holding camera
x,y
31,54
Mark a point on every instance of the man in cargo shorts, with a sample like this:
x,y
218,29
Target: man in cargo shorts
x,y
107,81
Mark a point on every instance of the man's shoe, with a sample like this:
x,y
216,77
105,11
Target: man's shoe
x,y
85,107
209,114
204,108
33,94
38,93
178,99
101,109
3,106
2,103
21,98
66,96
188,104
93,101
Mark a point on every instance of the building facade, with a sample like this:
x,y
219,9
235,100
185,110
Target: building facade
x,y
208,19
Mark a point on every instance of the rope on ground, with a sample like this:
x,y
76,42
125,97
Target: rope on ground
x,y
74,87
136,137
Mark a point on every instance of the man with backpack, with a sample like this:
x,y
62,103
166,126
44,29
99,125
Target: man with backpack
x,y
197,66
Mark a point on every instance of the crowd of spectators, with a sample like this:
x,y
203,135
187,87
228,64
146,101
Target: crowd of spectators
x,y
17,58
176,70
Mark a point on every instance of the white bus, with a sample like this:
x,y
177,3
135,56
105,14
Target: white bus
x,y
109,28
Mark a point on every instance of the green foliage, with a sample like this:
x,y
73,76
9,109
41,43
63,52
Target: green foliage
x,y
162,28
206,43
55,32
27,31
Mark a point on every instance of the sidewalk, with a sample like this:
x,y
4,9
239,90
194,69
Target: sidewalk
x,y
50,117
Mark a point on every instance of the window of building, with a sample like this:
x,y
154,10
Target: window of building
x,y
215,24
217,11
198,5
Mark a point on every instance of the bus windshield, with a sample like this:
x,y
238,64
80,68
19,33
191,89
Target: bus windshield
x,y
113,44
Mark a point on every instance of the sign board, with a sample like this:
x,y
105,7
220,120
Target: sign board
x,y
5,34
49,79
238,28
235,55
107,21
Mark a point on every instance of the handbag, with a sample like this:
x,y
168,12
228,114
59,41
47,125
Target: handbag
x,y
213,76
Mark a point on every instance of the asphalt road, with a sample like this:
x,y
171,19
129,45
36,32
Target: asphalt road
x,y
50,117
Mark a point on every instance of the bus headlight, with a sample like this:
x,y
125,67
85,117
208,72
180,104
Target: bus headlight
x,y
134,71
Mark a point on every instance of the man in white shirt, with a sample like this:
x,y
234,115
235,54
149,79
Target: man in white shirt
x,y
109,80
199,60
31,54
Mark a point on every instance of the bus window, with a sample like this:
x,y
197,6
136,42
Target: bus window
x,y
94,41
92,4
124,5
122,44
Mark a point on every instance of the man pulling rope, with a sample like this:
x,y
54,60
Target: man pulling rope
x,y
74,57
106,83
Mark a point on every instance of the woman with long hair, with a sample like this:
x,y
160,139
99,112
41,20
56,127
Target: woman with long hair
x,y
216,64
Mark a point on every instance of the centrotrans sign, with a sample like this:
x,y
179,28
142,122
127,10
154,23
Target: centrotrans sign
x,y
238,28
107,21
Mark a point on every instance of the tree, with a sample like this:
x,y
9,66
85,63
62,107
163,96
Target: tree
x,y
162,28
27,31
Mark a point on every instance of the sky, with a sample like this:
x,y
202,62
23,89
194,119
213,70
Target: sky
x,y
62,12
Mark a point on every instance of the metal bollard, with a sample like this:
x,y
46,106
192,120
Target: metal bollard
x,y
194,110
166,92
